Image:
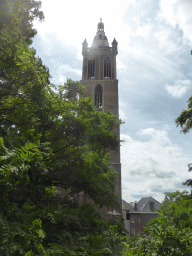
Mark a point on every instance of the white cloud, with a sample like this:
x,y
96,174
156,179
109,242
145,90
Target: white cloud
x,y
122,107
62,72
151,49
168,40
124,5
178,89
121,67
136,50
143,30
162,36
72,25
160,137
152,163
66,68
178,12
122,115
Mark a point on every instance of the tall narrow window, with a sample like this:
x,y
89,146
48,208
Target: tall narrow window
x,y
107,68
98,97
91,69
127,215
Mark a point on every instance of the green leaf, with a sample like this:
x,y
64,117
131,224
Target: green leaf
x,y
1,141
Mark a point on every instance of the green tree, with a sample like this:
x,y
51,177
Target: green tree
x,y
171,200
163,239
49,138
185,118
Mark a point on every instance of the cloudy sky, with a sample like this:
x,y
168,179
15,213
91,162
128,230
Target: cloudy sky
x,y
154,68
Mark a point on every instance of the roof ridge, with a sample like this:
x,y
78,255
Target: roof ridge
x,y
155,200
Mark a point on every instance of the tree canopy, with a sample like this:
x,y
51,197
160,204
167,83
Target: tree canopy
x,y
49,137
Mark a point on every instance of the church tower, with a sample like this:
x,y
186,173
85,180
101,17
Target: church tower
x,y
100,79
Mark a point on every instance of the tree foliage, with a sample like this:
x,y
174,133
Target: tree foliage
x,y
49,138
185,118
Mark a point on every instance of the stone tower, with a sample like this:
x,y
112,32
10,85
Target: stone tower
x,y
99,78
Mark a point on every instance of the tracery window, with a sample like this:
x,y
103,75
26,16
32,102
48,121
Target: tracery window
x,y
91,68
98,97
107,68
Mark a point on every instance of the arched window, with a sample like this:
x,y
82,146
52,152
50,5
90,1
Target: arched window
x,y
100,36
107,68
91,68
98,97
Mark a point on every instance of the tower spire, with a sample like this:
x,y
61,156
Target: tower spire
x,y
100,40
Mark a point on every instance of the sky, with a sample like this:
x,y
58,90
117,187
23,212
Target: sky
x,y
154,69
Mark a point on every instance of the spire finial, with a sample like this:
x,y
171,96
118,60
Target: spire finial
x,y
100,19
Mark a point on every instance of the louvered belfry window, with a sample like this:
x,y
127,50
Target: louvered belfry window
x,y
91,68
107,68
98,97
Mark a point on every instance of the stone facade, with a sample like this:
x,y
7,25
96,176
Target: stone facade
x,y
138,221
137,214
99,78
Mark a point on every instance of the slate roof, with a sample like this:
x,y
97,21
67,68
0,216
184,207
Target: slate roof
x,y
143,205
